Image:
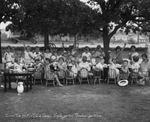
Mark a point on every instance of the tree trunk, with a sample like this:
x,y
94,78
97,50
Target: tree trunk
x,y
46,40
106,41
0,49
75,41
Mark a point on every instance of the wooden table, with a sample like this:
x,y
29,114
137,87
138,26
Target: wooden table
x,y
7,78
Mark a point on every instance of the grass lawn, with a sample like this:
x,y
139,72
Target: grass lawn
x,y
78,103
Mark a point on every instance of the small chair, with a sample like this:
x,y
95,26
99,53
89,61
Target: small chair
x,y
49,78
123,75
134,79
97,76
112,76
61,75
83,75
50,82
70,77
38,76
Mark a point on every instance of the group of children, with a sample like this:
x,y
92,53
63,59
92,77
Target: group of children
x,y
135,66
73,61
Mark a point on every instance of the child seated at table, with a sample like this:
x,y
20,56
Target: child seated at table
x,y
49,73
20,58
18,66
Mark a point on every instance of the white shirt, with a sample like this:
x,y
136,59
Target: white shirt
x,y
28,55
135,67
93,61
99,66
85,65
88,55
144,66
9,57
74,69
47,55
37,55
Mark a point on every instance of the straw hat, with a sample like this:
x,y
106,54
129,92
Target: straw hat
x,y
123,83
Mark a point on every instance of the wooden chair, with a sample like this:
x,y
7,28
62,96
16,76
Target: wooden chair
x,y
61,75
134,79
83,75
38,75
112,76
50,82
70,77
49,79
97,76
123,75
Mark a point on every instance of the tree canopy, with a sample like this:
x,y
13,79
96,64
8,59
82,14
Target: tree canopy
x,y
53,17
120,14
8,9
77,18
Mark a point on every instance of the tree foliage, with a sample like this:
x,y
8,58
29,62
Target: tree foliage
x,y
120,14
8,9
53,17
76,18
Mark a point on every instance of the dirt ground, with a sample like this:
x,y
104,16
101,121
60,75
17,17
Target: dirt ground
x,y
78,103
